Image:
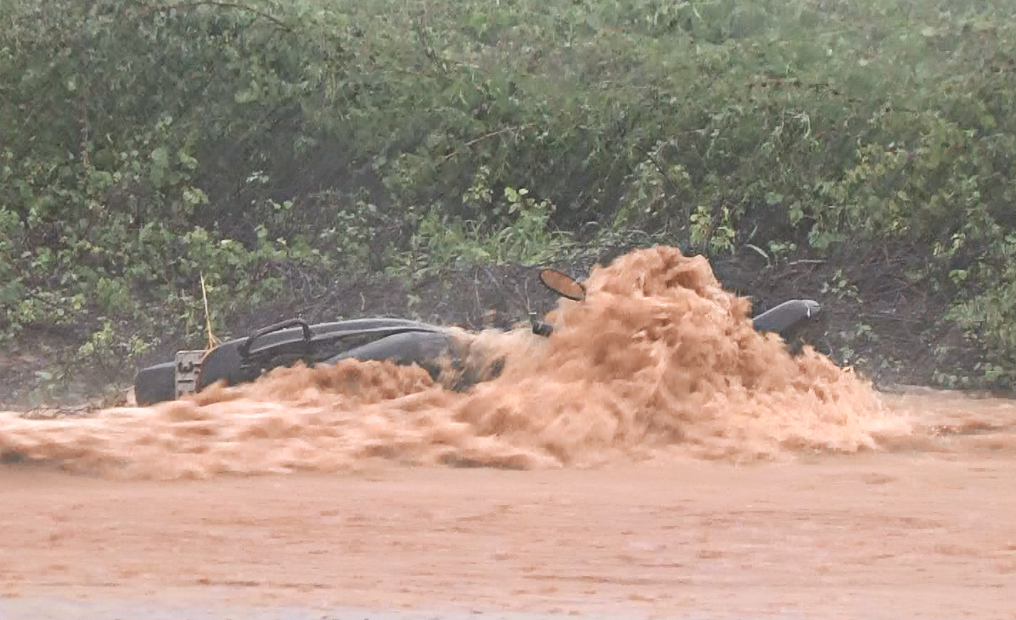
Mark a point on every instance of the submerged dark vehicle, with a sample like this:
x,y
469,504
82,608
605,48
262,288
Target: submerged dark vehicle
x,y
435,348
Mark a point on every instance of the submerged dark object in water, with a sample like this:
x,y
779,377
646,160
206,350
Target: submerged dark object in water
x,y
436,349
786,316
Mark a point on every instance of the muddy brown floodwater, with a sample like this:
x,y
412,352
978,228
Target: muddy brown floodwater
x,y
655,458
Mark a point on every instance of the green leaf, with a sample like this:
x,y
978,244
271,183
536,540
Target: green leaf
x,y
160,166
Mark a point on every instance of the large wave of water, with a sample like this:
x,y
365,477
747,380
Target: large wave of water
x,y
658,362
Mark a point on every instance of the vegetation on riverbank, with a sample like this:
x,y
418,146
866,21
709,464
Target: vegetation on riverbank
x,y
275,146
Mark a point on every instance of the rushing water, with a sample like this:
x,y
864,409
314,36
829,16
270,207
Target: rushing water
x,y
658,362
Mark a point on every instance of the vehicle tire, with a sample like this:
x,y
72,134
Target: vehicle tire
x,y
223,363
786,316
155,384
425,349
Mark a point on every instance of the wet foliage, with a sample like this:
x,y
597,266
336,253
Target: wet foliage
x,y
272,146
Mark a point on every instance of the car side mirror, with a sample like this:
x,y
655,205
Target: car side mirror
x,y
563,284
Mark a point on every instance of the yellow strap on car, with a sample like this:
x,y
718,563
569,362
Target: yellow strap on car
x,y
212,340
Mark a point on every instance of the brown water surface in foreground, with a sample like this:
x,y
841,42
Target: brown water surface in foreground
x,y
915,533
655,457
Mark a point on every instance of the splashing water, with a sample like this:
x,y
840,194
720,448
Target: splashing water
x,y
659,361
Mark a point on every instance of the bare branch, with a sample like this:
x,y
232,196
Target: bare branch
x,y
222,5
487,137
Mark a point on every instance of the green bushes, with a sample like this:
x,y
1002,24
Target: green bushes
x,y
272,143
